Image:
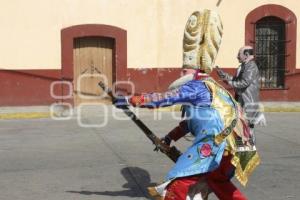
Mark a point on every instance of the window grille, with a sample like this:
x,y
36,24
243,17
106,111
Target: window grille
x,y
270,52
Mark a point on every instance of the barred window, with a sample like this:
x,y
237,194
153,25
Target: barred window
x,y
270,51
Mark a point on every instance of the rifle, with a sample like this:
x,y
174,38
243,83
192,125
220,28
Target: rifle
x,y
172,152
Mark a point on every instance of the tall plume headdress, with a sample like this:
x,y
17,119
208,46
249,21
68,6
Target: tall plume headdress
x,y
201,42
202,39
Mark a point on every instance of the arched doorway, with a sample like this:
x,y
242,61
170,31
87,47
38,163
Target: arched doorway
x,y
88,51
92,63
272,29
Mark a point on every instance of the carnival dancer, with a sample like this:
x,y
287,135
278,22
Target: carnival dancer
x,y
222,145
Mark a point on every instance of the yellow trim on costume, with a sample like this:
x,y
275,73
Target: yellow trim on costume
x,y
226,110
242,175
229,113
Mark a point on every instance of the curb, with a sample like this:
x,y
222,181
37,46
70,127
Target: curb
x,y
27,115
176,108
30,112
281,109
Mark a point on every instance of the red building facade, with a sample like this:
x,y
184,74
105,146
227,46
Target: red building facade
x,y
33,87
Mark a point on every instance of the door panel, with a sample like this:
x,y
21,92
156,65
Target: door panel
x,y
92,63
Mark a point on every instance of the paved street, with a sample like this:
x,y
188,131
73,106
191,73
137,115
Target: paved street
x,y
45,159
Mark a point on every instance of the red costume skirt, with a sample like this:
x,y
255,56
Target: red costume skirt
x,y
217,180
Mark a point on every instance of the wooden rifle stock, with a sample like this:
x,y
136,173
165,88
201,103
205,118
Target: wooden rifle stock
x,y
172,152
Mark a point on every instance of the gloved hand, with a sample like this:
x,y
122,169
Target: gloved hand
x,y
166,140
121,102
220,72
223,75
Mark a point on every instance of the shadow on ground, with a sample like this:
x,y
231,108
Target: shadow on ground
x,y
137,179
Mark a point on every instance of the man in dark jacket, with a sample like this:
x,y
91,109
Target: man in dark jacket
x,y
246,85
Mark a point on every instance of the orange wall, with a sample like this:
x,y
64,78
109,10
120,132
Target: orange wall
x,y
30,30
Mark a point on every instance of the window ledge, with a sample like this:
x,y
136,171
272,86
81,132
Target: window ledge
x,y
286,88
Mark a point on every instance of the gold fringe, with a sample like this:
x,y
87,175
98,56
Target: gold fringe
x,y
242,175
228,113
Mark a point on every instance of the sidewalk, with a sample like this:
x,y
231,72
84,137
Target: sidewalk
x,y
281,106
33,112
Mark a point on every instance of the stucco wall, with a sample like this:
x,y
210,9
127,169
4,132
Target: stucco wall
x,y
30,30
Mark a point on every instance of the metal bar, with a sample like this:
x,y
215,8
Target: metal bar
x,y
271,54
283,41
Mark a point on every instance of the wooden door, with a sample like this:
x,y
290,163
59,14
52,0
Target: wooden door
x,y
93,60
